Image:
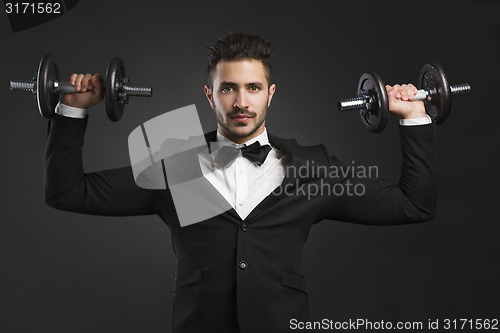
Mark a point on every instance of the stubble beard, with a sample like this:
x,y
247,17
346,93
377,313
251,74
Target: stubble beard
x,y
225,126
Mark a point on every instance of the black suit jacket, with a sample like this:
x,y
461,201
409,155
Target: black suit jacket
x,y
214,291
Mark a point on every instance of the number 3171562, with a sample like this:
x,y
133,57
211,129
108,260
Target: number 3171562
x,y
32,8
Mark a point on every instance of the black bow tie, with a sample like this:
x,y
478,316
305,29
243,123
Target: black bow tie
x,y
255,153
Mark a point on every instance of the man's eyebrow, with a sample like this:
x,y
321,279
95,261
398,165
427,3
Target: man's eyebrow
x,y
255,84
228,84
250,84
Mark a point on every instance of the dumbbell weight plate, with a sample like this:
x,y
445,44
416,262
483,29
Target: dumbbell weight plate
x,y
376,118
432,77
45,96
115,74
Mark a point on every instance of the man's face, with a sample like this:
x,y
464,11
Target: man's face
x,y
240,98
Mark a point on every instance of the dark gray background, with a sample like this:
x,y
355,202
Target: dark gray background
x,y
65,272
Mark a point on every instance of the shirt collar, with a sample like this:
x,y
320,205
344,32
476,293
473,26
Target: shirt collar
x,y
262,138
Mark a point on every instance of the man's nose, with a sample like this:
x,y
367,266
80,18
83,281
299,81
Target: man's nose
x,y
241,100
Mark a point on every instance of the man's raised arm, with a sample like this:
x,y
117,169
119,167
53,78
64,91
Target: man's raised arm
x,y
67,187
414,198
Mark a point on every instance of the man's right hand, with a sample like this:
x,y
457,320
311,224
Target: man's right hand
x,y
90,91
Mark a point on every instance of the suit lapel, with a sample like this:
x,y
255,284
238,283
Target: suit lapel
x,y
190,169
290,180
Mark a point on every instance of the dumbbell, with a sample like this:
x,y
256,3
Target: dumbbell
x,y
373,104
46,88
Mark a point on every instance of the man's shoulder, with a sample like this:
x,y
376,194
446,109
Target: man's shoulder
x,y
292,147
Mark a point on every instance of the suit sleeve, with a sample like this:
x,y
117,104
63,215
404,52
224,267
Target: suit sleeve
x,y
412,200
67,187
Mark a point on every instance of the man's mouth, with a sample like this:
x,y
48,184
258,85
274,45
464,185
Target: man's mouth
x,y
241,117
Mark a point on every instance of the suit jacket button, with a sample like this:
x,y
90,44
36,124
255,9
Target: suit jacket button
x,y
244,227
243,265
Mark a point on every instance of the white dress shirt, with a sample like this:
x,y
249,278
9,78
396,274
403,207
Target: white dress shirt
x,y
243,184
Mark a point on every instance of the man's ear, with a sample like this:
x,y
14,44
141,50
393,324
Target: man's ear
x,y
210,97
272,89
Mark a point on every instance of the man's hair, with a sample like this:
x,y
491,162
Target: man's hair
x,y
236,47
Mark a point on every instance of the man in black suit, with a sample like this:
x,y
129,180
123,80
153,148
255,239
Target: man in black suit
x,y
240,271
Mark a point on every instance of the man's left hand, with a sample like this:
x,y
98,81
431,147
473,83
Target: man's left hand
x,y
401,101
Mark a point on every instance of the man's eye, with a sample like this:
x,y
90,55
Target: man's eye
x,y
227,89
254,88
